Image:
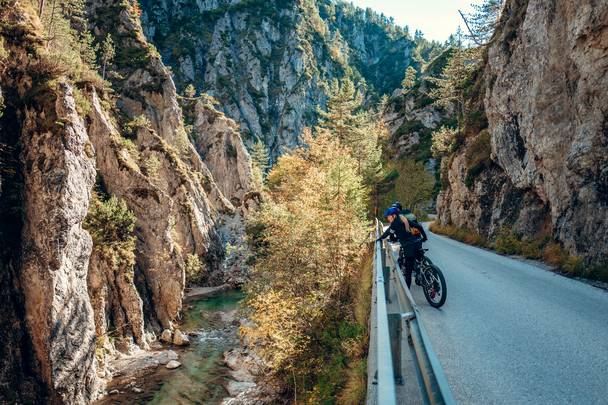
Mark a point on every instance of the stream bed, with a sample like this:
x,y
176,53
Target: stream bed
x,y
202,377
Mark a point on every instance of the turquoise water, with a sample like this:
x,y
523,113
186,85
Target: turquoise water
x,y
201,378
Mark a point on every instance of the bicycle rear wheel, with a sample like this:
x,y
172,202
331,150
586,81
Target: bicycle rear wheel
x,y
434,286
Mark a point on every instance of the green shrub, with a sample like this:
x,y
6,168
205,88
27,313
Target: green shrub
x,y
83,106
195,271
137,123
111,225
110,221
151,166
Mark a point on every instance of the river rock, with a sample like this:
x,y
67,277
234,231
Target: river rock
x,y
167,356
166,336
236,387
173,364
180,339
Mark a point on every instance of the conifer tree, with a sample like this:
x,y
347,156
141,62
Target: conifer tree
x,y
455,81
260,162
355,128
190,91
107,54
409,81
482,21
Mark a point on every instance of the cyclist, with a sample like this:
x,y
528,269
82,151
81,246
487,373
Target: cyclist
x,y
411,243
405,212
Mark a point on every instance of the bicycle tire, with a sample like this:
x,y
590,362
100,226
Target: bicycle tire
x,y
444,288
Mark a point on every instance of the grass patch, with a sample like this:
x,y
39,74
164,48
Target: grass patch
x,y
460,234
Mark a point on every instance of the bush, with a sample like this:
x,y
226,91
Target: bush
x,y
195,271
509,243
137,123
111,225
110,221
151,166
443,142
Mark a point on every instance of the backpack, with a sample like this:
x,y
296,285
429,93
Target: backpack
x,y
412,218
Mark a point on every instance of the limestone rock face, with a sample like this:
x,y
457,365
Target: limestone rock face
x,y
220,145
173,212
410,123
546,104
59,175
269,62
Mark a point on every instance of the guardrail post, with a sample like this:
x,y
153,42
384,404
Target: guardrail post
x,y
395,330
386,273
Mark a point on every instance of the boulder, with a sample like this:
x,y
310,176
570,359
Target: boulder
x,y
173,364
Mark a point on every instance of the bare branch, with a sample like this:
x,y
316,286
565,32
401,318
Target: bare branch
x,y
473,36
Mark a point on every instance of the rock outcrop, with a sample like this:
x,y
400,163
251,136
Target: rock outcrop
x,y
68,142
545,101
59,176
218,141
269,62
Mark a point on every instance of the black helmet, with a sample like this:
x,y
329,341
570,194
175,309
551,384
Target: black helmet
x,y
397,205
407,211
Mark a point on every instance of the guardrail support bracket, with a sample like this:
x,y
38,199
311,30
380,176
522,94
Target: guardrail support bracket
x,y
395,331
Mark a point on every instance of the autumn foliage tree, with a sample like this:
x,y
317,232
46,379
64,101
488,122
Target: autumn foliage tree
x,y
313,225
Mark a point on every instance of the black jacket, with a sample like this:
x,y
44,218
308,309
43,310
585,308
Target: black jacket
x,y
407,240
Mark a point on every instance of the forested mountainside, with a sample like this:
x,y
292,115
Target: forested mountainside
x,y
270,63
530,163
108,210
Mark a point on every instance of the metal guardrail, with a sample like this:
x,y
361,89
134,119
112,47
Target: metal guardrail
x,y
434,387
384,372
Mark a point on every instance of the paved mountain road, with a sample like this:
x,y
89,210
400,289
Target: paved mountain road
x,y
512,332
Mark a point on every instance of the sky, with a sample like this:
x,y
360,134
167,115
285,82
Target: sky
x,y
436,18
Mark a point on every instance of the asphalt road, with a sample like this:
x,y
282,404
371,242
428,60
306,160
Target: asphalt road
x,y
512,332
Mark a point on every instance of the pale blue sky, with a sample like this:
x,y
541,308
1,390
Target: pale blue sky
x,y
436,18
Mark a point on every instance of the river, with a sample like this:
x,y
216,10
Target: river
x,y
203,375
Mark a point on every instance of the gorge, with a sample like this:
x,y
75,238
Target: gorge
x,y
129,175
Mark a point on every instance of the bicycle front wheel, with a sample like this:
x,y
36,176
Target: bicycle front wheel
x,y
435,288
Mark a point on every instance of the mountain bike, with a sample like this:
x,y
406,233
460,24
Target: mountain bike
x,y
429,277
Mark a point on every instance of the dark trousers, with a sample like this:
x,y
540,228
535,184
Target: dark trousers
x,y
407,263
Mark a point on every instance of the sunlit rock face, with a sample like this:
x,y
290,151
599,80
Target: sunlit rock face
x,y
65,145
545,99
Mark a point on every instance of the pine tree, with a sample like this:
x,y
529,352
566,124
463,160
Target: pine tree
x,y
443,142
409,81
455,82
355,128
260,162
107,54
190,91
482,22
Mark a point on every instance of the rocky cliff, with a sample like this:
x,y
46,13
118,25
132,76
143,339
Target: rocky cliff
x,y
108,209
544,168
269,63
